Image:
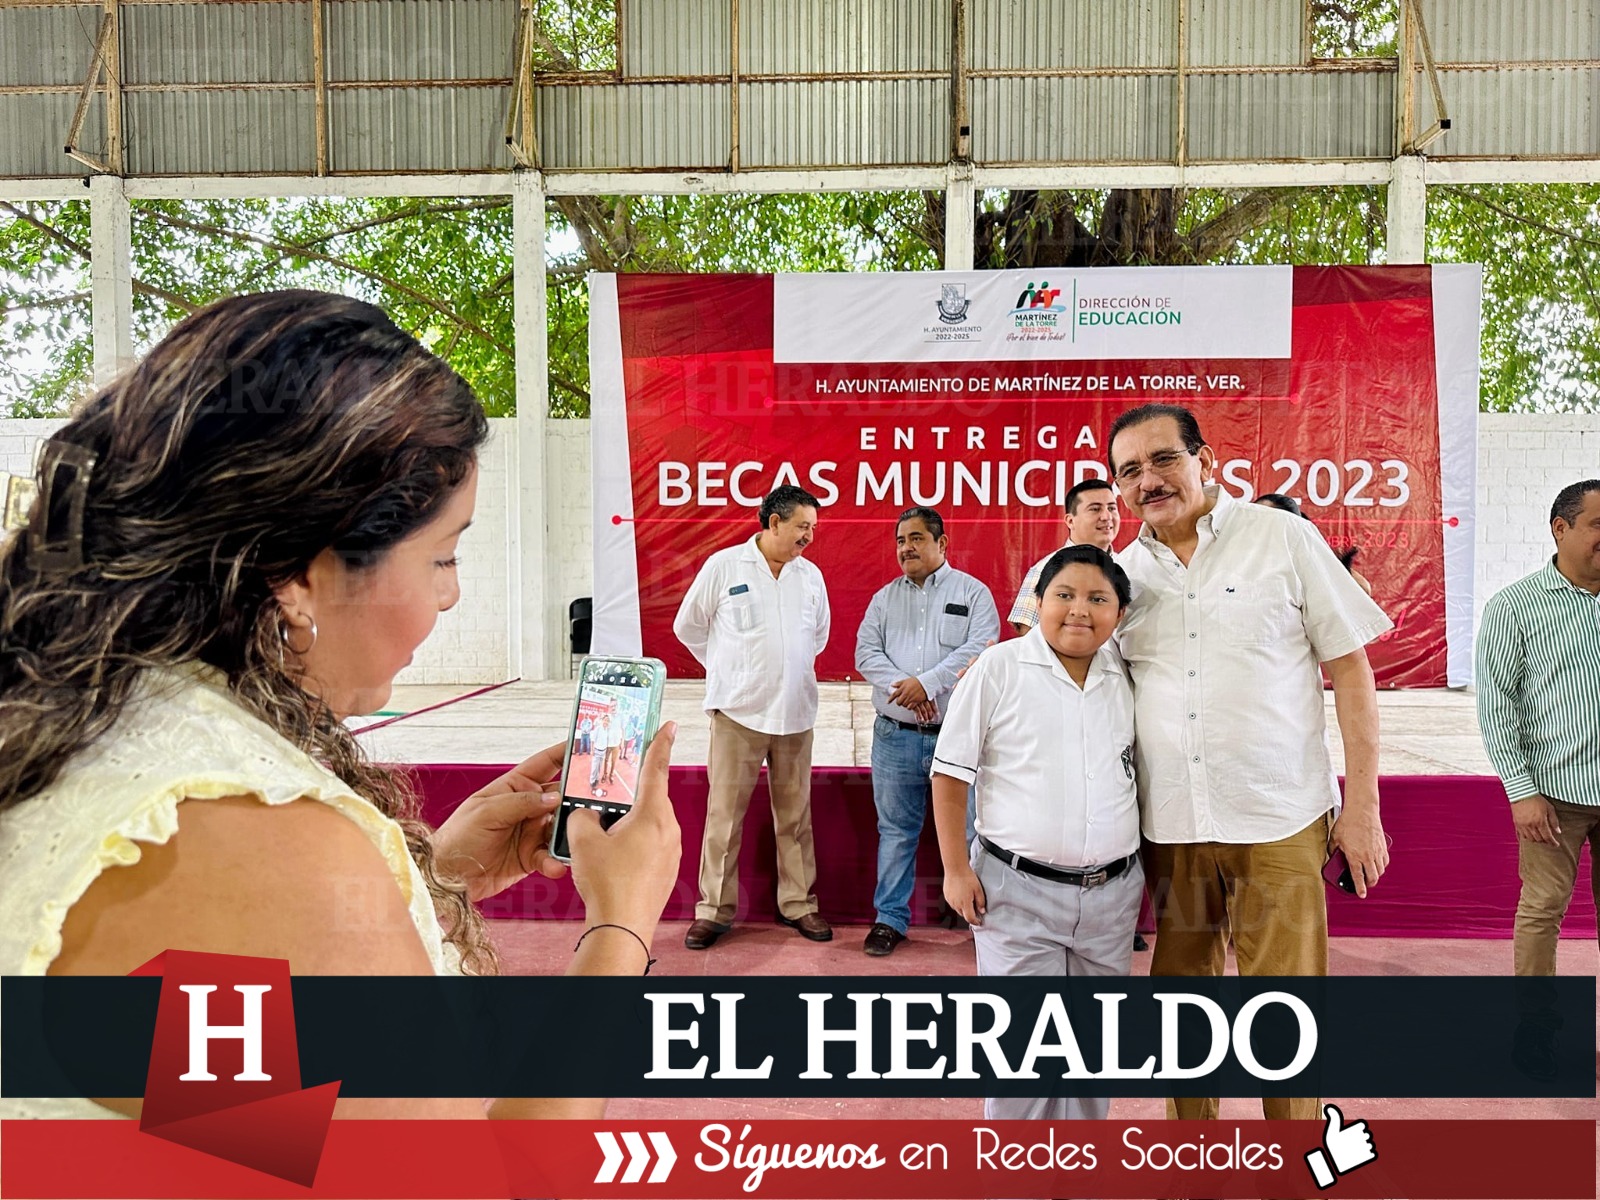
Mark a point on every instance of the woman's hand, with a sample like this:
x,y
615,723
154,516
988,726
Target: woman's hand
x,y
501,833
625,874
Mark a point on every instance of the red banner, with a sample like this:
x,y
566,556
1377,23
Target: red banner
x,y
1351,389
821,1160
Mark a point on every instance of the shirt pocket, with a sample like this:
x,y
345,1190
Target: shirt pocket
x,y
953,629
811,608
745,615
1256,613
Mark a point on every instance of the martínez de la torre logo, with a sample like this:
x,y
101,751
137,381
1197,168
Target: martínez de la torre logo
x,y
1036,316
1046,314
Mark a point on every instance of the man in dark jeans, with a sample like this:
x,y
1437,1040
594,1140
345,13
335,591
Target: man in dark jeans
x,y
921,630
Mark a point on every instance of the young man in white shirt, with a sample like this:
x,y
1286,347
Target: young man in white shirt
x,y
1043,727
1236,610
1093,519
756,617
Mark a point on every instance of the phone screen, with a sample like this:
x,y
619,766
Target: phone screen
x,y
610,730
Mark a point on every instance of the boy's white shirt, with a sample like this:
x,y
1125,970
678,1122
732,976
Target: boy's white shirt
x,y
1052,762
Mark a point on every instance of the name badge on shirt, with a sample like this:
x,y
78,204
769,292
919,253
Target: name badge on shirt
x,y
956,610
739,589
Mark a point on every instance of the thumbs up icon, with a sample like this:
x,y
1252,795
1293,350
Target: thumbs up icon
x,y
1348,1146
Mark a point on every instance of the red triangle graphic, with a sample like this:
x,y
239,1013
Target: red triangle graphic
x,y
281,1135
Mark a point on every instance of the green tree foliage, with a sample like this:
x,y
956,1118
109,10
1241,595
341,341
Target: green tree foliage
x,y
1354,28
576,35
443,266
830,231
1540,248
1169,227
45,347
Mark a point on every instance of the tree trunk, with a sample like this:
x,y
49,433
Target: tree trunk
x,y
1134,227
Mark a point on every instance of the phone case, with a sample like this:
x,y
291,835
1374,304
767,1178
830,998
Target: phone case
x,y
1336,872
652,722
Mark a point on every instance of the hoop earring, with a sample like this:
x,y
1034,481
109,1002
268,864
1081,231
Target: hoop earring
x,y
283,636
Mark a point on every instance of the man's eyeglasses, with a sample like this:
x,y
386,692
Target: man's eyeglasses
x,y
1164,462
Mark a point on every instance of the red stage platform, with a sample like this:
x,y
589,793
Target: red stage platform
x,y
1454,870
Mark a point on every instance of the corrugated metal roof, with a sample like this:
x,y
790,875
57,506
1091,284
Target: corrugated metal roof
x,y
420,39
1015,34
216,43
871,122
207,133
780,37
1492,30
47,45
1243,116
1333,114
1127,118
662,126
1230,33
1539,113
675,37
36,129
418,129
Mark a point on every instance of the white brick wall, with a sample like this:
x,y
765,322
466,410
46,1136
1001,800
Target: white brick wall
x,y
572,522
19,440
1523,460
471,644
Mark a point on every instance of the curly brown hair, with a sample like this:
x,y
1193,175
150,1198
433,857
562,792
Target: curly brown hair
x,y
260,432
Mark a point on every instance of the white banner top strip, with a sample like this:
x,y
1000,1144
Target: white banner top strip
x,y
1043,314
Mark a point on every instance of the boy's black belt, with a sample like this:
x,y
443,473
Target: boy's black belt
x,y
1086,879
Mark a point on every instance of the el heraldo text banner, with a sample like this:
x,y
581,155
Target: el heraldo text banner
x,y
986,395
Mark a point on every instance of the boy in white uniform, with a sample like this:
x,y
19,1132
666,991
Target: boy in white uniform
x,y
1043,727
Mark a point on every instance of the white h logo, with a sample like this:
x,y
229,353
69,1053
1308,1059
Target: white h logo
x,y
200,1033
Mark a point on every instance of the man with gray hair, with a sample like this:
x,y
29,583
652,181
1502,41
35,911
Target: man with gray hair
x,y
756,617
1237,610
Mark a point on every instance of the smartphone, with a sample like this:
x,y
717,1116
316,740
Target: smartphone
x,y
1336,873
614,716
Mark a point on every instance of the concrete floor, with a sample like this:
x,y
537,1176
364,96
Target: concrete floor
x,y
1423,732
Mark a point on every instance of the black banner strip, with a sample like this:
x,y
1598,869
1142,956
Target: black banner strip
x,y
1373,1036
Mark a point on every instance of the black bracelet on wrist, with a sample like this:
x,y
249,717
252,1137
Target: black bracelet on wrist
x,y
648,963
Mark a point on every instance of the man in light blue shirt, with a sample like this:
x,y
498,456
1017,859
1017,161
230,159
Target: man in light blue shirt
x,y
919,633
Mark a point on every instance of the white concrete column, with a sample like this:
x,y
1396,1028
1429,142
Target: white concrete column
x,y
535,633
959,218
1408,210
110,276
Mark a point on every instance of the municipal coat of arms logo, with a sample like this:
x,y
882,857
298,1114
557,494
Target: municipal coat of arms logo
x,y
953,303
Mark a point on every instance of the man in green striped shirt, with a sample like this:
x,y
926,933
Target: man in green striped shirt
x,y
1538,671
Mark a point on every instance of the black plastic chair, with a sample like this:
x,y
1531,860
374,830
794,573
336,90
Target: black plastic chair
x,y
580,624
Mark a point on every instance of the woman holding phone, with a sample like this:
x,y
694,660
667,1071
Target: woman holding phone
x,y
235,546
